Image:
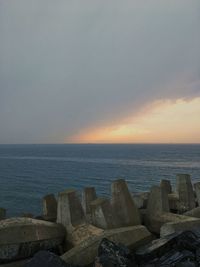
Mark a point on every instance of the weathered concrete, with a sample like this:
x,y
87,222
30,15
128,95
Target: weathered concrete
x,y
143,214
155,223
193,213
141,199
89,195
166,185
158,201
2,213
189,223
125,211
197,190
22,237
85,253
50,206
185,192
174,202
27,215
81,233
101,213
157,204
70,212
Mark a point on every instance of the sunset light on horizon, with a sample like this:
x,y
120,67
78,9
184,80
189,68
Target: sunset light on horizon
x,y
164,121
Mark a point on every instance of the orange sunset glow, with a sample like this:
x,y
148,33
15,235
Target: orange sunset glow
x,y
164,121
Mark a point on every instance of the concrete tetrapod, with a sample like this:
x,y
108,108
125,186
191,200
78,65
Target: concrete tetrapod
x,y
101,213
124,209
131,237
50,207
89,195
71,215
185,192
197,190
189,223
22,237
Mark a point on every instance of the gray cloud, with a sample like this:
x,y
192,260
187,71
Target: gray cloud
x,y
67,65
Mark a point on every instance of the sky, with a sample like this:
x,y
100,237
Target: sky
x,y
74,71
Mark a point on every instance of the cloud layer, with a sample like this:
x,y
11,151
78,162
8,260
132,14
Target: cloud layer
x,y
70,65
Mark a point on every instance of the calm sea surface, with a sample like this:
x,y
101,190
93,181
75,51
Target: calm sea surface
x,y
27,172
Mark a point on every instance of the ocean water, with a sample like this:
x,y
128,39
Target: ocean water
x,y
28,172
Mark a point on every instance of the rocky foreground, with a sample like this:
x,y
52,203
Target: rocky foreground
x,y
156,228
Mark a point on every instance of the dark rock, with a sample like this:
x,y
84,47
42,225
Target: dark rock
x,y
46,259
112,255
174,257
188,240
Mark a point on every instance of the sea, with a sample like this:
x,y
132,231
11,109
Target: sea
x,y
28,172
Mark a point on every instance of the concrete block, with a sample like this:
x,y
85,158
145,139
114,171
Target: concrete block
x,y
174,202
166,185
185,192
85,253
50,206
101,214
197,190
80,234
27,215
158,201
124,208
141,199
143,214
193,213
70,212
22,237
2,213
189,223
155,223
89,195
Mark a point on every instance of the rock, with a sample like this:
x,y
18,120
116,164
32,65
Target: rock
x,y
125,211
101,214
111,254
46,259
141,199
175,258
197,191
185,192
171,249
189,223
132,237
166,185
22,237
89,195
20,263
2,213
70,212
50,207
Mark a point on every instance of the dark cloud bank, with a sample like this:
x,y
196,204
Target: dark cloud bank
x,y
66,65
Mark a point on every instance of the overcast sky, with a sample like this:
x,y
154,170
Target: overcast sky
x,y
66,65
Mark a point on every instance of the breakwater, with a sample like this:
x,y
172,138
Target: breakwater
x,y
150,224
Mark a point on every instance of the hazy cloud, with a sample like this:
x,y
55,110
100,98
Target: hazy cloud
x,y
65,64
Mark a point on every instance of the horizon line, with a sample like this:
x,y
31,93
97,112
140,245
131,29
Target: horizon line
x,y
159,143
